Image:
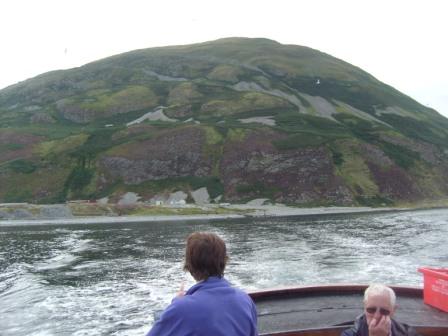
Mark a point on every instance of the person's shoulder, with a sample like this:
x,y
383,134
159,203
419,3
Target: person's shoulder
x,y
240,291
355,329
241,294
403,329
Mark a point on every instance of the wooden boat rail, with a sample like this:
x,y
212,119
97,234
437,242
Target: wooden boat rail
x,y
332,288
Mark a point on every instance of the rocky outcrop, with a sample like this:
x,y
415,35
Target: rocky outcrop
x,y
42,118
428,152
395,183
255,168
130,198
152,116
30,211
17,145
175,153
200,196
261,120
131,98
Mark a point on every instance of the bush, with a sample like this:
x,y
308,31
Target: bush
x,y
337,157
360,128
299,140
79,178
22,166
416,129
402,156
257,189
374,201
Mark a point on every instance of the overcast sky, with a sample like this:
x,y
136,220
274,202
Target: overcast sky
x,y
400,42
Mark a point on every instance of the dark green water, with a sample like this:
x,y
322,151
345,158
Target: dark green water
x,y
110,279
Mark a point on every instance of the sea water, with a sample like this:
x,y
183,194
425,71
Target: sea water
x,y
113,279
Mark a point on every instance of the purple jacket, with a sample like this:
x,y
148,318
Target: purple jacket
x,y
212,307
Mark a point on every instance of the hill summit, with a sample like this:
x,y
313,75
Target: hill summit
x,y
228,120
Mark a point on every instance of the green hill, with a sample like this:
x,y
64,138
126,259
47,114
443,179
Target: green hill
x,y
244,118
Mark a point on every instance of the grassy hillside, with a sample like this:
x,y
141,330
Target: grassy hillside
x,y
244,118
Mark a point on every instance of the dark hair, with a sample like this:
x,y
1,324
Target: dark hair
x,y
205,255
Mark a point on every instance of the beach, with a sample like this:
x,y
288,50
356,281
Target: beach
x,y
61,214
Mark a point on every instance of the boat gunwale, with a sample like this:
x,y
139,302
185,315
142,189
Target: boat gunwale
x,y
409,291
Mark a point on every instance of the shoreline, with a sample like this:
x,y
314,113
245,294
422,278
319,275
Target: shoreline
x,y
115,219
251,211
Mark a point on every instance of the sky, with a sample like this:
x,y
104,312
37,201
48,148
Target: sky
x,y
400,42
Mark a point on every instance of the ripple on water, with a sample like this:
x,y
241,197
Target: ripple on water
x,y
107,280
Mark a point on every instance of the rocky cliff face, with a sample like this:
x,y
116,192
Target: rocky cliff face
x,y
235,118
254,168
177,153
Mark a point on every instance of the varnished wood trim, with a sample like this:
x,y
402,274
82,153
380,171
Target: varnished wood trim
x,y
330,289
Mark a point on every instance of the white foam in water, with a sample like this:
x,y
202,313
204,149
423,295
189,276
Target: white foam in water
x,y
115,280
86,265
64,257
58,261
99,310
26,292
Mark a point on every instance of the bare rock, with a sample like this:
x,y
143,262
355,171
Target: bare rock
x,y
130,198
42,118
55,211
201,196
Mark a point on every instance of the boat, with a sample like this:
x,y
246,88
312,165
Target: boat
x,y
330,309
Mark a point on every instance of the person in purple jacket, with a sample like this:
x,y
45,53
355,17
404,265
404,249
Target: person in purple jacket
x,y
212,306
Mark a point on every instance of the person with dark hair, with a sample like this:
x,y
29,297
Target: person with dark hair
x,y
212,306
379,307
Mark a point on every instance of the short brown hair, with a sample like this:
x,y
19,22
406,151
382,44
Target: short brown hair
x,y
205,255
